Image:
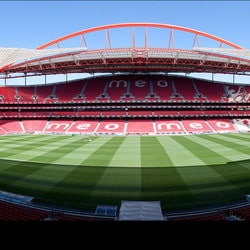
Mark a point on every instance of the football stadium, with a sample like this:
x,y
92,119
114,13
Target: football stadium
x,y
134,136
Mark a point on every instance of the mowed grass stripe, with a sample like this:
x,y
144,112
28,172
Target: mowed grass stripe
x,y
76,154
14,147
236,138
241,137
4,164
79,155
16,139
166,185
76,188
178,154
161,183
223,148
206,184
25,150
35,145
14,172
56,152
196,146
237,174
128,154
20,138
195,180
42,153
153,154
42,180
114,186
89,186
92,147
103,155
241,146
244,163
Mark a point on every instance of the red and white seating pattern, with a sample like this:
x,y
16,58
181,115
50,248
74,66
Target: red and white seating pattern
x,y
236,93
125,120
82,127
11,126
197,126
162,87
242,124
121,126
222,125
69,92
115,88
184,87
33,126
140,87
212,91
169,127
140,127
111,127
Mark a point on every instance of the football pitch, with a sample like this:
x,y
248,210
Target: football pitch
x,y
182,172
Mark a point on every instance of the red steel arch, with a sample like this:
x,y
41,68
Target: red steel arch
x,y
154,25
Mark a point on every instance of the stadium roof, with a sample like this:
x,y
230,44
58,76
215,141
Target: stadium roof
x,y
243,53
44,60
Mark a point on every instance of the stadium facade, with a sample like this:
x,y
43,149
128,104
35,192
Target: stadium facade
x,y
139,85
137,89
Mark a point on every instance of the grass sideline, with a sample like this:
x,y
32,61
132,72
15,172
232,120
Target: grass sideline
x,y
183,172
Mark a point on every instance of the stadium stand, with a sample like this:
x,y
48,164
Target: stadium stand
x,y
214,115
142,100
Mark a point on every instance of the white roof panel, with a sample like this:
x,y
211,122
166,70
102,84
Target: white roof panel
x,y
18,55
141,211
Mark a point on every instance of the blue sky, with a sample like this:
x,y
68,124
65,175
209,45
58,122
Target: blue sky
x,y
29,24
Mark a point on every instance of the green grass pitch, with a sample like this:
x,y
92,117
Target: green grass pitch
x,y
182,172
